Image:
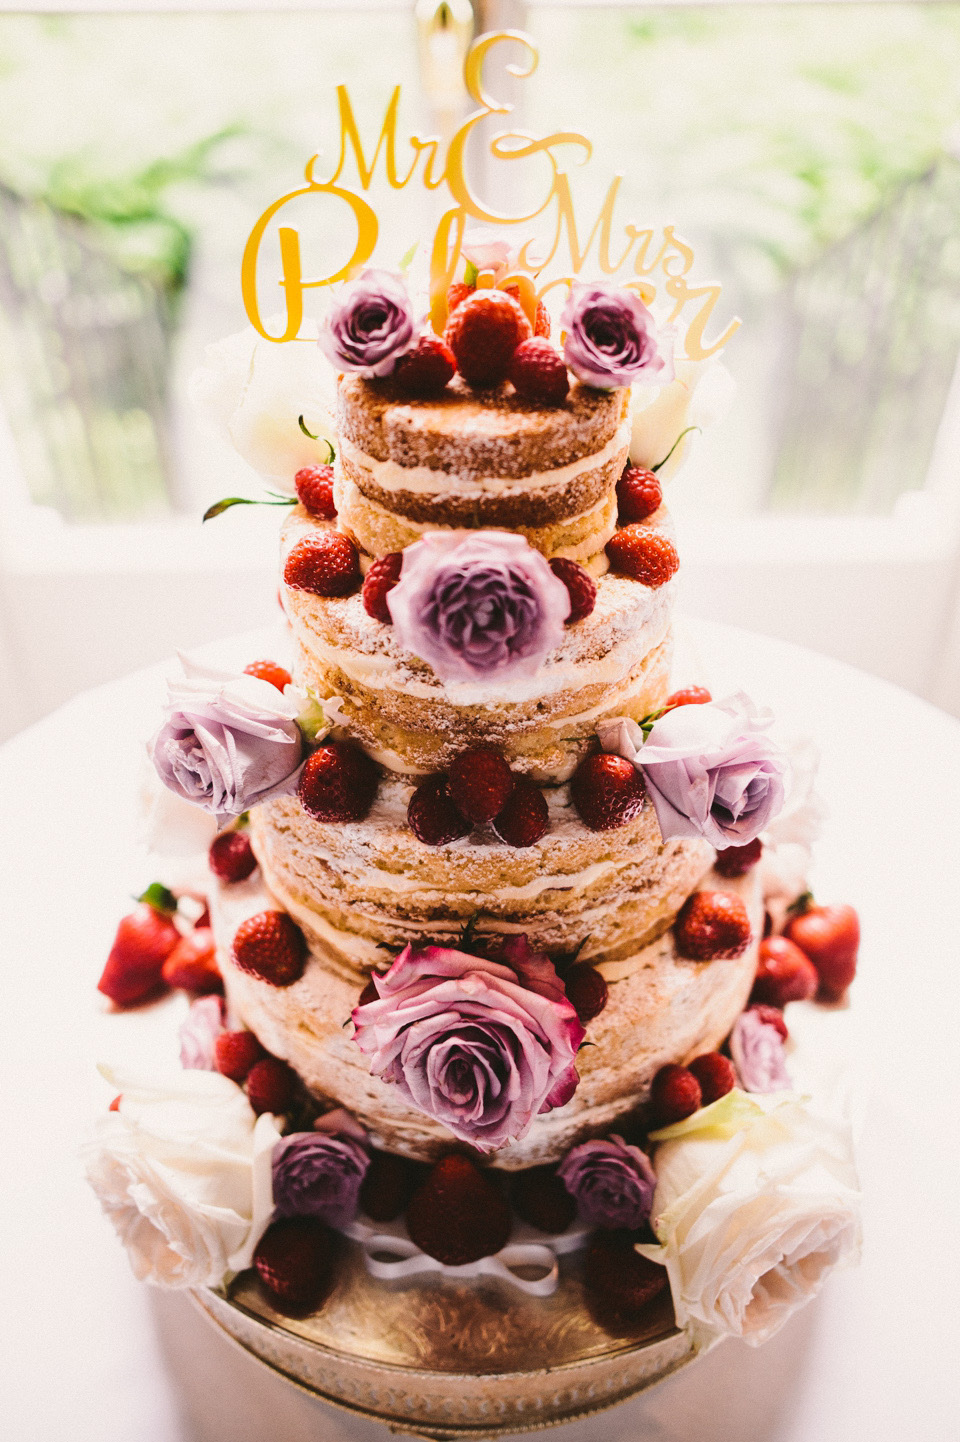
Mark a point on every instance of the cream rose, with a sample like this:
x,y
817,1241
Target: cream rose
x,y
182,1170
757,1200
699,395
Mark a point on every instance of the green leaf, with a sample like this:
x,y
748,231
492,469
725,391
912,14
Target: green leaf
x,y
160,897
407,260
670,452
331,456
218,507
471,274
724,1118
300,423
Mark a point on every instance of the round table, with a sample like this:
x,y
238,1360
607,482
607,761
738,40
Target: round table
x,y
94,1356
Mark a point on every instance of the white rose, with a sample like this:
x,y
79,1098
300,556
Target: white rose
x,y
757,1200
182,1170
699,395
254,391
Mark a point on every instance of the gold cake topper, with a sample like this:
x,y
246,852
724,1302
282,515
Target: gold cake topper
x,y
656,263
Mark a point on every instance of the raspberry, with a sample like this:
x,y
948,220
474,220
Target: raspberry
x,y
433,817
830,937
689,696
192,964
235,1053
382,576
538,373
580,584
483,333
458,1215
715,1074
294,1261
457,294
338,783
771,1016
608,791
738,860
315,489
389,1184
784,973
231,856
619,1279
480,783
270,947
134,968
541,326
270,671
674,1094
540,1198
325,564
525,819
712,926
425,370
586,990
648,556
271,1085
638,495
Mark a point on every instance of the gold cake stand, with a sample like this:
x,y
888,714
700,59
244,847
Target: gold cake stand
x,y
451,1359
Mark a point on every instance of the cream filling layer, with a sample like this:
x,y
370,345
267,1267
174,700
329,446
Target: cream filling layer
x,y
422,480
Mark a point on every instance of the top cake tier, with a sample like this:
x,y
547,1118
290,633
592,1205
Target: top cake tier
x,y
480,459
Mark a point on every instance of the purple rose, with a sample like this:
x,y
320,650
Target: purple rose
x,y
469,1044
612,1183
711,770
758,1054
475,604
370,326
199,1033
228,741
612,338
318,1175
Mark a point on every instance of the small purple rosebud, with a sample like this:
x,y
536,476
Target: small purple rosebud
x,y
758,1054
612,1183
370,325
318,1175
612,339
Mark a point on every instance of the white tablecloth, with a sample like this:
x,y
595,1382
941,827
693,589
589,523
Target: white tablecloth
x,y
93,1356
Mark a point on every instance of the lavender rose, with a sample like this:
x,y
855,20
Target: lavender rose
x,y
611,1182
758,1054
474,604
711,770
318,1175
612,339
370,326
228,741
469,1044
199,1033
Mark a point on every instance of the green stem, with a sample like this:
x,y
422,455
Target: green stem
x,y
218,507
670,452
332,453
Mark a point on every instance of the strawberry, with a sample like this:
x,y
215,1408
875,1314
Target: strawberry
x,y
425,370
457,294
315,490
608,791
619,1279
480,783
689,696
784,973
325,564
235,1052
586,990
580,584
483,333
389,1184
738,860
433,817
771,1016
538,373
381,578
269,671
270,947
674,1094
525,819
294,1261
192,964
712,926
143,941
638,495
648,556
231,856
338,783
715,1075
541,326
540,1198
458,1215
271,1086
830,937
